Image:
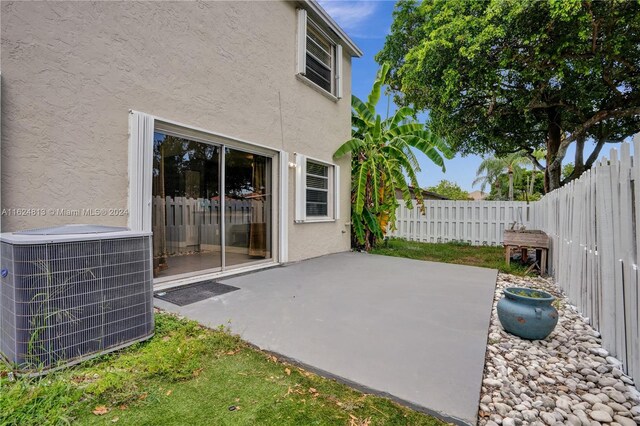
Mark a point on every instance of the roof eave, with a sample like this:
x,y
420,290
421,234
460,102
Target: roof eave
x,y
328,20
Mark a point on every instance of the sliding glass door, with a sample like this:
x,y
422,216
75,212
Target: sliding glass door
x,y
186,216
247,207
197,226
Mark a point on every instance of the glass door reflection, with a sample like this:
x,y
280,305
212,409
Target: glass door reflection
x,y
186,216
247,212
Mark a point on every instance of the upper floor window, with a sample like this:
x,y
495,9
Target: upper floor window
x,y
319,58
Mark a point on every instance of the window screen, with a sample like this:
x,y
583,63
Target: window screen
x,y
319,62
317,200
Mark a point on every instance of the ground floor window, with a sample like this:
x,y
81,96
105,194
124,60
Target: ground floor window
x,y
317,190
317,177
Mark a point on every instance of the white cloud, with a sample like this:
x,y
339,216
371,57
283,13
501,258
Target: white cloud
x,y
350,15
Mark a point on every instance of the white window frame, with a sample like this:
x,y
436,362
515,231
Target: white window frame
x,y
336,57
333,197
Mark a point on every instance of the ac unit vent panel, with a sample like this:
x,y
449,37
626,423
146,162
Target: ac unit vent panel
x,y
65,301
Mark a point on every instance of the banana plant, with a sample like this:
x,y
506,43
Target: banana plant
x,y
383,161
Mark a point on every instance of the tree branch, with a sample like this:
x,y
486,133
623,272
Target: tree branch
x,y
546,105
562,104
594,155
577,171
625,62
582,129
607,80
534,160
500,153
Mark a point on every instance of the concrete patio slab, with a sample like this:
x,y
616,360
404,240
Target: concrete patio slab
x,y
414,330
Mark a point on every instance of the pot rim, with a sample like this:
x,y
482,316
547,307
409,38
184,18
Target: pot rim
x,y
509,291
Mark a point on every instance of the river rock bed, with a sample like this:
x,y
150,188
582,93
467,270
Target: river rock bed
x,y
568,378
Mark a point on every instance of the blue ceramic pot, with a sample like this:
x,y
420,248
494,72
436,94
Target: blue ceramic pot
x,y
531,318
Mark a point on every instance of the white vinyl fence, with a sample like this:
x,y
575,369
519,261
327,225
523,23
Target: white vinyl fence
x,y
474,222
592,223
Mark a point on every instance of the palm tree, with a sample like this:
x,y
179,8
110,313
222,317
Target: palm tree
x,y
488,173
382,160
491,168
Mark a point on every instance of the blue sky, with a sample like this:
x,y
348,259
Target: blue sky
x,y
368,23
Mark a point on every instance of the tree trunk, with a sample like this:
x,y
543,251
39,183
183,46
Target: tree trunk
x,y
578,164
510,185
553,176
553,172
368,236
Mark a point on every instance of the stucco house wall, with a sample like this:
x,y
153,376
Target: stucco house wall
x,y
71,71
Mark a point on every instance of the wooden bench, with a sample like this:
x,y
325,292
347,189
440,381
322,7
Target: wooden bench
x,y
525,240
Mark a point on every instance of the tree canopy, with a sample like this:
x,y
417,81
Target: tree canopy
x,y
500,76
450,190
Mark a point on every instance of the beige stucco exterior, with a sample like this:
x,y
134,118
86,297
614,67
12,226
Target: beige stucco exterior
x,y
71,71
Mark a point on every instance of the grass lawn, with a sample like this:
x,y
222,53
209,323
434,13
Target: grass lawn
x,y
188,374
463,254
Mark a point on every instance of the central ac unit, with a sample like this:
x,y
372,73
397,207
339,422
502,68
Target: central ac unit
x,y
73,292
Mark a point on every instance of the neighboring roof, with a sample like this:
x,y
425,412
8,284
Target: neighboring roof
x,y
320,13
433,195
427,195
478,195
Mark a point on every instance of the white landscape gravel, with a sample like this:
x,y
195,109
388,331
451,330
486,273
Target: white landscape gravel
x,y
568,378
